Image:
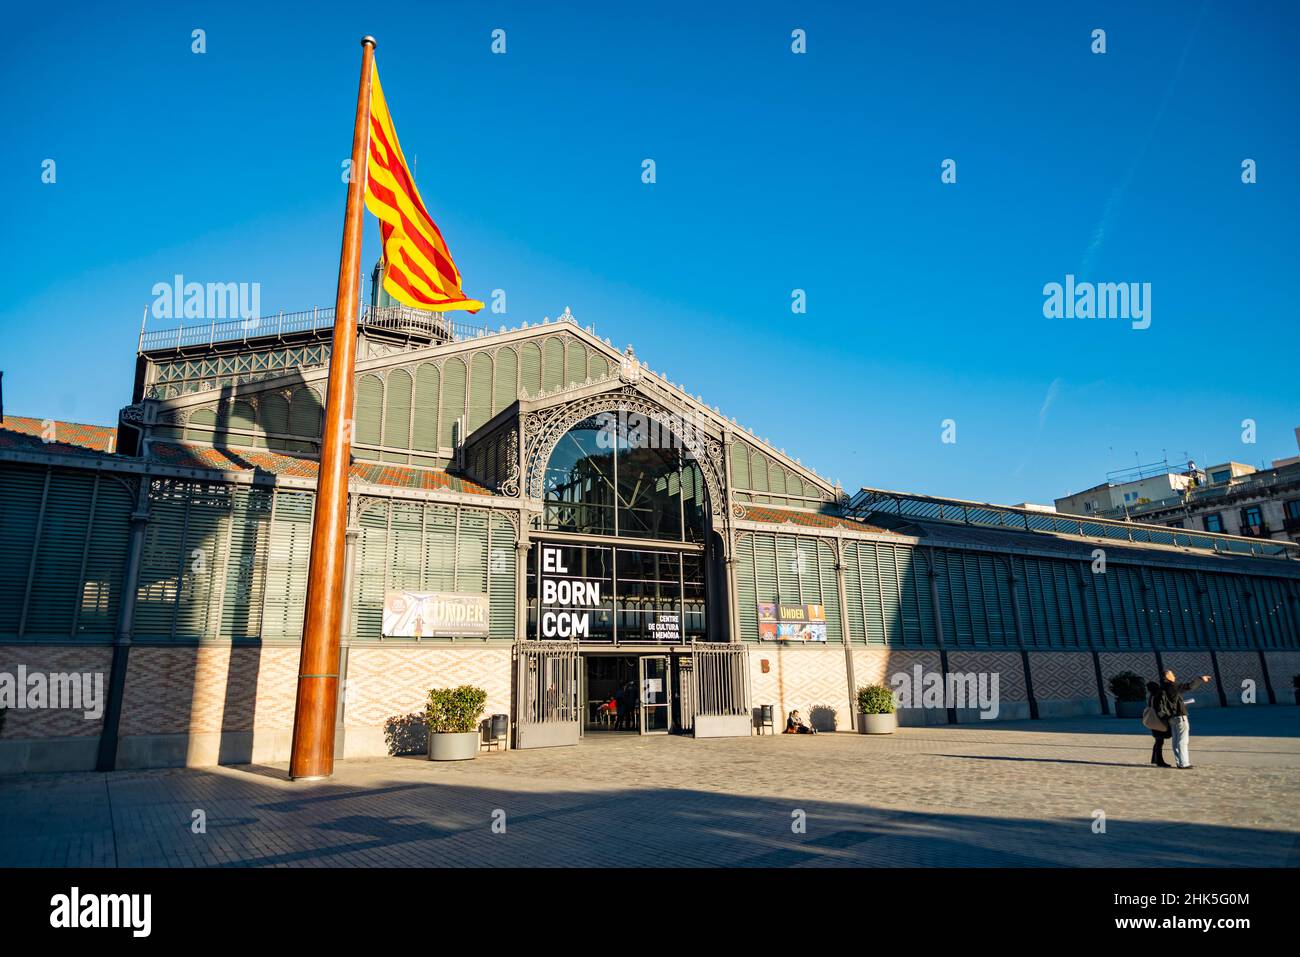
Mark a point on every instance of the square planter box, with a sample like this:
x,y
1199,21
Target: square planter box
x,y
453,747
877,723
1129,709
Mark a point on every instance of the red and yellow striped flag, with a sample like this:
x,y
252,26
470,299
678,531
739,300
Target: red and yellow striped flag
x,y
418,268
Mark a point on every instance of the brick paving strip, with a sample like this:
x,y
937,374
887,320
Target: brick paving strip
x,y
1006,794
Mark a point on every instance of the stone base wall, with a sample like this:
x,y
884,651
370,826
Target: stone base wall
x,y
1283,666
880,665
55,739
387,683
197,706
218,704
1243,678
1012,697
1065,683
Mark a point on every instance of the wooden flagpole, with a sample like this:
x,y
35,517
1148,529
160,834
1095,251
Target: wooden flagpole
x,y
318,668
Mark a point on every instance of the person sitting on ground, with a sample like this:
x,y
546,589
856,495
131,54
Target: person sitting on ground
x,y
794,725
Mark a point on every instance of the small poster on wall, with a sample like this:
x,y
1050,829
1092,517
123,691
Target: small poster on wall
x,y
778,621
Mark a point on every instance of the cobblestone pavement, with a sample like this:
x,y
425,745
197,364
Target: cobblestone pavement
x,y
1010,794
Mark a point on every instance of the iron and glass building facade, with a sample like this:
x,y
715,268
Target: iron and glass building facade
x,y
618,532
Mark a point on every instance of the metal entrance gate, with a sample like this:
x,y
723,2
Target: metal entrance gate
x,y
547,709
720,690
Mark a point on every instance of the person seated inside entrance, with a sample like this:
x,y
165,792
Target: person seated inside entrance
x,y
608,711
794,725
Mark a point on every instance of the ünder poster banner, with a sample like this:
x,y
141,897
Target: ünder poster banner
x,y
779,621
419,614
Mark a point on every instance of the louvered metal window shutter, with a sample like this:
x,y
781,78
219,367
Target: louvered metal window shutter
x,y
57,567
371,567
531,376
746,597
369,405
241,612
101,591
480,393
453,400
502,584
425,426
397,410
286,585
506,384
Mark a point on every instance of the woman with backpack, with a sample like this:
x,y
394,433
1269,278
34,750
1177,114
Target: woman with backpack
x,y
1156,719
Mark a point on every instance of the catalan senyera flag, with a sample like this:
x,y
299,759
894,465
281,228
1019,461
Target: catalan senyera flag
x,y
418,268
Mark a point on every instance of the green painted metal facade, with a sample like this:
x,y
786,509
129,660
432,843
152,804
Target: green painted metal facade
x,y
227,560
223,561
181,376
415,414
1059,604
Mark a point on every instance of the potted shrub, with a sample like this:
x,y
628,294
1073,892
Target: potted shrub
x,y
1130,693
453,715
876,710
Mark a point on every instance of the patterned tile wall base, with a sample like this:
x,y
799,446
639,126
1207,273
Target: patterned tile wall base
x,y
1283,666
1007,701
210,705
1065,683
209,689
1243,678
882,665
388,682
810,680
213,704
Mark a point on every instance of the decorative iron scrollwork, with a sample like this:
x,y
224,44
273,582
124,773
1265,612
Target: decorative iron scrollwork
x,y
543,431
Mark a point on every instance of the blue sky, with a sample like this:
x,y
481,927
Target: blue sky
x,y
775,171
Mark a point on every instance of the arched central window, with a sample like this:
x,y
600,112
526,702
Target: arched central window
x,y
627,475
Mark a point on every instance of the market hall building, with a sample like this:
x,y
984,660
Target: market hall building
x,y
536,512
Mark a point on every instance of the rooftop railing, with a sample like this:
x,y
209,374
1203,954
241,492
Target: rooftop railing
x,y
956,511
401,319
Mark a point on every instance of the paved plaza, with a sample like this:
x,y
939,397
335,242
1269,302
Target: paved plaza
x,y
1007,794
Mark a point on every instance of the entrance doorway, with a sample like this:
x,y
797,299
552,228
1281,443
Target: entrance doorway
x,y
629,694
656,698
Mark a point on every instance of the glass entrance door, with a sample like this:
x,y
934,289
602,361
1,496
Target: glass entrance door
x,y
656,694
